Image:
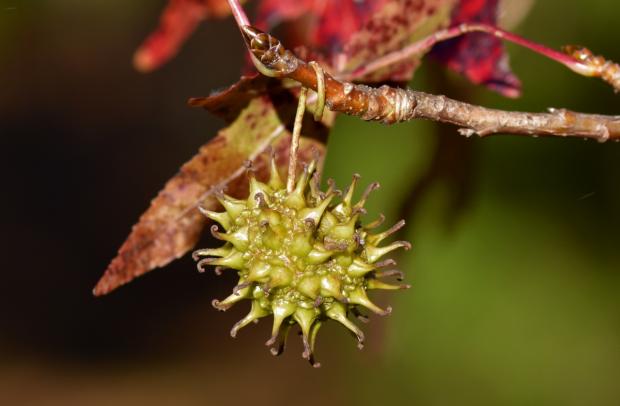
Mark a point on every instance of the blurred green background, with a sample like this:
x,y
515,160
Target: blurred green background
x,y
516,259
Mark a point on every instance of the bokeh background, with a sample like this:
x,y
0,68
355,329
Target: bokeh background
x,y
516,260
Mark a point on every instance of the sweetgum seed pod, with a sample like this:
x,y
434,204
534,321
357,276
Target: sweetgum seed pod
x,y
300,257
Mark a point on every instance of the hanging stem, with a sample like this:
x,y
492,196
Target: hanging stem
x,y
292,163
320,90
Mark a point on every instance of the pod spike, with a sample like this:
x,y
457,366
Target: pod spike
x,y
315,213
377,284
276,351
275,181
369,189
256,312
258,193
359,297
337,311
305,318
375,223
211,252
221,217
313,334
227,303
345,207
234,260
233,207
375,239
238,238
374,253
281,311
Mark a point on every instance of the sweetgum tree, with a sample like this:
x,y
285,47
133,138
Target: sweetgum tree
x,y
303,255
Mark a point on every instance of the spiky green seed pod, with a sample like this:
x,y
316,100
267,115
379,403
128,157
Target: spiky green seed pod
x,y
300,257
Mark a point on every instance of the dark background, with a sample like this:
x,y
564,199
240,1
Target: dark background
x,y
515,266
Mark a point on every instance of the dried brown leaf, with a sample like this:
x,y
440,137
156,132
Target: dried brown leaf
x,y
229,102
172,224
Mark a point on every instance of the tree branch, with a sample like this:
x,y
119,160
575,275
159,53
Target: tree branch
x,y
391,105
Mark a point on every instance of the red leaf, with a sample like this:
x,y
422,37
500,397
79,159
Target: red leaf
x,y
350,33
324,26
178,21
397,24
364,30
480,57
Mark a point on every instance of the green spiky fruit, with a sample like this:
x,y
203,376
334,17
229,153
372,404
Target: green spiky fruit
x,y
300,257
